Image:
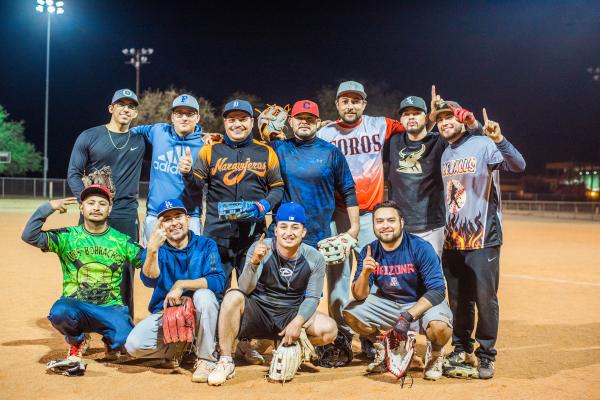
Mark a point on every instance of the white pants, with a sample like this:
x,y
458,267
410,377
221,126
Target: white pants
x,y
150,221
146,339
338,276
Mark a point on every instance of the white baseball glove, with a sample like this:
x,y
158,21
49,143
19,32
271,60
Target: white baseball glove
x,y
285,363
336,248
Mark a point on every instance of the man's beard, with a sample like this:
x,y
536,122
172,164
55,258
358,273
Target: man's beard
x,y
394,238
415,130
350,121
455,135
304,135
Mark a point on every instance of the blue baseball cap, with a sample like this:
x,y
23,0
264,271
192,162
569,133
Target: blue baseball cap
x,y
351,87
186,100
238,105
124,94
291,212
171,204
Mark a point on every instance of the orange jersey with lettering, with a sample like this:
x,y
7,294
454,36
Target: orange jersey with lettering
x,y
362,145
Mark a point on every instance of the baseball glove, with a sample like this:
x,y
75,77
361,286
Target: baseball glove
x,y
271,121
240,210
179,322
398,353
285,363
336,354
102,176
336,248
66,367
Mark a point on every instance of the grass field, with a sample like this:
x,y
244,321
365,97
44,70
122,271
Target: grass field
x,y
548,347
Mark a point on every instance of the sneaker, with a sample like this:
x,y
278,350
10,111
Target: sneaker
x,y
247,352
460,357
203,368
486,368
366,347
76,351
378,365
110,354
223,370
435,366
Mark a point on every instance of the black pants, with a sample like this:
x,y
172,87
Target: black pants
x,y
233,255
130,227
472,278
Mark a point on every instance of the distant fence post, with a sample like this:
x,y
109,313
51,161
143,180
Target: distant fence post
x,y
50,189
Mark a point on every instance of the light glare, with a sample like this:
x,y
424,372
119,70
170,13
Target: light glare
x,y
39,9
60,10
51,9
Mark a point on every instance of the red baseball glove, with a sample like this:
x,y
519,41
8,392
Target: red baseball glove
x,y
179,322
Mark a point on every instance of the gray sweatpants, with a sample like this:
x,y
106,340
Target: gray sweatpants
x,y
146,338
338,276
382,314
435,237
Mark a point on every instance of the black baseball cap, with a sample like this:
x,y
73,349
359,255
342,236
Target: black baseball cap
x,y
413,101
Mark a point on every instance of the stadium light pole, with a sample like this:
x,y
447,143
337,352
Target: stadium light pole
x,y
137,58
49,7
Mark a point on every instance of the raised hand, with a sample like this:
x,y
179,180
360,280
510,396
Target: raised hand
x,y
463,115
260,251
186,162
369,263
62,204
491,128
436,100
158,236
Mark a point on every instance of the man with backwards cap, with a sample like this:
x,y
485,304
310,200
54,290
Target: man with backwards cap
x,y
178,262
169,142
278,294
93,256
114,146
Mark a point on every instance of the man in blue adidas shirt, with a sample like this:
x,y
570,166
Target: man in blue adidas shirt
x,y
410,290
169,142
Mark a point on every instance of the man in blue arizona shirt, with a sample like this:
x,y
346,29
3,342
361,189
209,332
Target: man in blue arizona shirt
x,y
410,291
169,143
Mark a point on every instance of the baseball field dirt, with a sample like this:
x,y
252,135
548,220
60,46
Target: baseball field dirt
x,y
548,347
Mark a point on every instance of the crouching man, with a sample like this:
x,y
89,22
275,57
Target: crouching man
x,y
279,291
410,290
178,262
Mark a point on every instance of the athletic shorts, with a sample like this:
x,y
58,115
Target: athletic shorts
x,y
260,321
382,314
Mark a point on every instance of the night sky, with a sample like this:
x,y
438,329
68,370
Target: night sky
x,y
525,61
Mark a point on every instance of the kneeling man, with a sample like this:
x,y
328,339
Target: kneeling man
x,y
178,262
410,291
279,291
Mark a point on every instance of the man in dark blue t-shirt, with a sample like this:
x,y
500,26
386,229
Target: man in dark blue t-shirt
x,y
409,286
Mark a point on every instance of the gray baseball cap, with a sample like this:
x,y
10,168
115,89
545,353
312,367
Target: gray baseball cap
x,y
413,101
186,100
351,87
124,94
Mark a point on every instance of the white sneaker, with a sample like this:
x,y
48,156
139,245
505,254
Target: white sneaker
x,y
223,371
203,370
378,365
435,367
246,351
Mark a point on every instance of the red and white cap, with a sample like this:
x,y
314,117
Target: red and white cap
x,y
305,106
95,189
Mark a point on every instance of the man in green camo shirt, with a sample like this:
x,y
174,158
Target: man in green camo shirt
x,y
93,257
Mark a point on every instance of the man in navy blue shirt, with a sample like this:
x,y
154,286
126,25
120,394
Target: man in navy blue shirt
x,y
410,290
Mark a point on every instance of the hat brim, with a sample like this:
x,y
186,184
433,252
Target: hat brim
x,y
433,115
358,92
182,209
89,191
137,103
305,112
411,106
226,113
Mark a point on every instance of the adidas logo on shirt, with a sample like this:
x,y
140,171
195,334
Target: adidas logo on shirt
x,y
168,162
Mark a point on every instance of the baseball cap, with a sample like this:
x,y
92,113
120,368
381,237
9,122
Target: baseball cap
x,y
95,189
444,108
171,204
124,94
292,212
413,101
305,106
238,105
351,87
186,100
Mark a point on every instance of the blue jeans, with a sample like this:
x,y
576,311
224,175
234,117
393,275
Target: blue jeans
x,y
74,318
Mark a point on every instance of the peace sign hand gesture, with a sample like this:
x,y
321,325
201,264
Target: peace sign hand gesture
x,y
491,128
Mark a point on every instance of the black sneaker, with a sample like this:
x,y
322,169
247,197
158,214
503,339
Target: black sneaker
x,y
485,368
366,347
